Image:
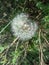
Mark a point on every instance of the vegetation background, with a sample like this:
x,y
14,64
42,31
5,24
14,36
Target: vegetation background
x,y
34,51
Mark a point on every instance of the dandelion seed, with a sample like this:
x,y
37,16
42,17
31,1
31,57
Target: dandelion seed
x,y
23,27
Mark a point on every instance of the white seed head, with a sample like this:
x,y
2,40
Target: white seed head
x,y
23,27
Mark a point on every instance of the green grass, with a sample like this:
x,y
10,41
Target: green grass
x,y
34,51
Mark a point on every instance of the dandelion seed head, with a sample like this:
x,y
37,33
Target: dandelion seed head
x,y
23,27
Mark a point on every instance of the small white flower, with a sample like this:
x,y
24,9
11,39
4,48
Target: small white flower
x,y
23,27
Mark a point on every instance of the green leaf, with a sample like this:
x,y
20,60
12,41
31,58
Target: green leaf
x,y
1,49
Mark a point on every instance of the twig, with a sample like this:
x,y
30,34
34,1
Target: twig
x,y
17,45
8,63
17,62
11,44
25,52
45,39
7,49
41,48
26,47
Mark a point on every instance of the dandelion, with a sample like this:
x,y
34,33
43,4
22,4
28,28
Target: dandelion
x,y
23,27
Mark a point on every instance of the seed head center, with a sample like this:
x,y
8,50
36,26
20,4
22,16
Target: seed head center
x,y
26,27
